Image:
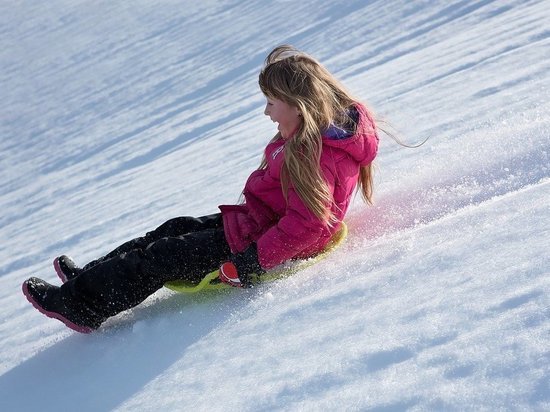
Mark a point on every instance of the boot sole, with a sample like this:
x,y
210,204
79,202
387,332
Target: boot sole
x,y
54,315
58,270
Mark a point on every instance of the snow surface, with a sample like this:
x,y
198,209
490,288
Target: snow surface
x,y
116,116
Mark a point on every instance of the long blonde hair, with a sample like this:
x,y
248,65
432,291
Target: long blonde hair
x,y
301,81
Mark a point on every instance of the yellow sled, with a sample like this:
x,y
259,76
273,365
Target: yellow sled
x,y
211,281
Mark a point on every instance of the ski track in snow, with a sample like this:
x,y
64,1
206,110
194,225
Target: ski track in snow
x,y
116,117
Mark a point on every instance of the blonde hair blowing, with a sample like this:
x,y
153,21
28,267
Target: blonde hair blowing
x,y
301,81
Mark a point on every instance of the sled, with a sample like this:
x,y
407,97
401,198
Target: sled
x,y
211,281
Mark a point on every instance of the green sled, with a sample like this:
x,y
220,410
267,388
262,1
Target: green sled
x,y
211,281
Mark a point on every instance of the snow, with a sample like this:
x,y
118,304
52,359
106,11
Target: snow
x,y
116,116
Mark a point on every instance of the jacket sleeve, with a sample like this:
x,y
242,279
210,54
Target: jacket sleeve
x,y
298,229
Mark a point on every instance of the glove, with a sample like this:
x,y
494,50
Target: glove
x,y
236,272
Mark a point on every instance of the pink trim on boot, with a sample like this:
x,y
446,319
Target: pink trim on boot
x,y
58,270
54,315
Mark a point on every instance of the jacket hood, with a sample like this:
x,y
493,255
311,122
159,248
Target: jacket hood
x,y
358,137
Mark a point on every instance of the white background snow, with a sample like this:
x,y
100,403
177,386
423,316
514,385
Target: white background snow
x,y
116,116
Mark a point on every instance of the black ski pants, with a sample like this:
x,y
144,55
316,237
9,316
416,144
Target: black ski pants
x,y
181,248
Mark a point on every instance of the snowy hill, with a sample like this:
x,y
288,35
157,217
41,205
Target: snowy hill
x,y
116,116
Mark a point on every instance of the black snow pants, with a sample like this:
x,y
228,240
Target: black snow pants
x,y
181,248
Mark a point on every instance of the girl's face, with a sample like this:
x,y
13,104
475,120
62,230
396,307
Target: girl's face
x,y
287,116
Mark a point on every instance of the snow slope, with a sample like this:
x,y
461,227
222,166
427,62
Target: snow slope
x,y
116,116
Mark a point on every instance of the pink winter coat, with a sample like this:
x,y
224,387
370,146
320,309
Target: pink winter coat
x,y
283,229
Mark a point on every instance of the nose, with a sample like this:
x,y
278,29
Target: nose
x,y
266,111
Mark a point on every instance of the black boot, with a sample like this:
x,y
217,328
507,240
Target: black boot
x,y
65,268
49,300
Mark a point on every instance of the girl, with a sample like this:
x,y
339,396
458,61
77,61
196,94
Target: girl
x,y
293,204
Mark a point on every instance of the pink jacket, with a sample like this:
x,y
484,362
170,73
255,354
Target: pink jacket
x,y
283,229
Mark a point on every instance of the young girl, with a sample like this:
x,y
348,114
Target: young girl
x,y
293,204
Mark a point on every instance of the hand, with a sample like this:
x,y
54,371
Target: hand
x,y
236,272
